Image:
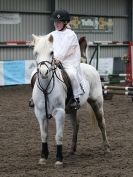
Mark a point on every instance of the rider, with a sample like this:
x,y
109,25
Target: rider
x,y
67,51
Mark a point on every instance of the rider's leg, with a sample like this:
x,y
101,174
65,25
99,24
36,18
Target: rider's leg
x,y
33,80
75,86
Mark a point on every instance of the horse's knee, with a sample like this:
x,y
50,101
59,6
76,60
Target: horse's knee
x,y
59,114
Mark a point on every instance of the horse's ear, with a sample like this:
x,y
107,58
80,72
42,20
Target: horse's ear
x,y
50,38
35,39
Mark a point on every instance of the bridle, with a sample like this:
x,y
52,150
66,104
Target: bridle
x,y
39,84
45,90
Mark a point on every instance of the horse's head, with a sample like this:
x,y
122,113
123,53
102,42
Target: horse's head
x,y
43,53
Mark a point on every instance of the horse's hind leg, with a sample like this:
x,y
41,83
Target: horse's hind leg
x,y
97,107
75,127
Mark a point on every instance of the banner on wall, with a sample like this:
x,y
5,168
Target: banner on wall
x,y
16,72
10,18
92,24
1,74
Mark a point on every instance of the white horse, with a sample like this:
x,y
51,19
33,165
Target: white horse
x,y
49,96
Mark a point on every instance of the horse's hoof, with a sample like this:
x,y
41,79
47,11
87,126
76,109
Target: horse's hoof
x,y
58,164
107,149
108,155
42,161
107,152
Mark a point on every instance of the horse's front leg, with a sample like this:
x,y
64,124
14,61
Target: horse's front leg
x,y
59,115
44,136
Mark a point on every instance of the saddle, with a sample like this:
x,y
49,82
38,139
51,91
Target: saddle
x,y
67,82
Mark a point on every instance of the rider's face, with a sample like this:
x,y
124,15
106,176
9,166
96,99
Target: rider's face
x,y
58,25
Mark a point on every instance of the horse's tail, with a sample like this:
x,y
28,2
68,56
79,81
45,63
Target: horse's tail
x,y
83,47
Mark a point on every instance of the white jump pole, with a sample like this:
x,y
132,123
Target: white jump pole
x,y
118,92
118,88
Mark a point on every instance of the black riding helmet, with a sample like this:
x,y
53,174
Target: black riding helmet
x,y
61,15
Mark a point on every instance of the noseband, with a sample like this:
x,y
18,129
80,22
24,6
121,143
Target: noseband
x,y
46,63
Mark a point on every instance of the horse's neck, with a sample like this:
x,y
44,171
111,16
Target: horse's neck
x,y
58,74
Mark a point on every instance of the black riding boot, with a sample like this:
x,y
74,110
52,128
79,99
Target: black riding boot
x,y
75,104
31,103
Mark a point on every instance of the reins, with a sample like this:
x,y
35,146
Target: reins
x,y
45,90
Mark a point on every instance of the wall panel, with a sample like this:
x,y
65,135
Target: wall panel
x,y
35,18
25,5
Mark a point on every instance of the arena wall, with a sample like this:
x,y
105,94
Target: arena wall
x,y
20,19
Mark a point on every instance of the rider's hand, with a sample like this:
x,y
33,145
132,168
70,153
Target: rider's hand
x,y
56,61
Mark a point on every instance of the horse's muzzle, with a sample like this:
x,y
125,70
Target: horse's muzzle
x,y
44,71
